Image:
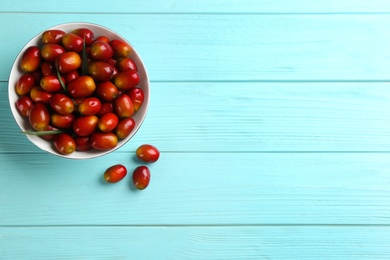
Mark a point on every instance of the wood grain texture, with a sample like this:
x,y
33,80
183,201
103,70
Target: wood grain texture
x,y
203,6
235,47
198,188
242,117
288,242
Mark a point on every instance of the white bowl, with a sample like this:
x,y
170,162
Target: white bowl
x,y
47,146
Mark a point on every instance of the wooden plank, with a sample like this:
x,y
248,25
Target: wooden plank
x,y
243,117
251,242
201,6
197,47
198,189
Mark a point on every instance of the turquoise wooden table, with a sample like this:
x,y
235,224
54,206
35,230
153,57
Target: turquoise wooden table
x,y
272,118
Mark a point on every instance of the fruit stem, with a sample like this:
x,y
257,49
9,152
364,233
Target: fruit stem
x,y
51,132
60,79
85,60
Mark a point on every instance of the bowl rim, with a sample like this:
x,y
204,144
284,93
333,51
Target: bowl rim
x,y
39,142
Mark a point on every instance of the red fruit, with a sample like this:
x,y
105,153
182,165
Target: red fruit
x,y
72,42
141,177
147,153
106,108
124,106
77,101
52,36
108,122
31,59
137,97
68,61
113,62
124,127
85,125
100,70
49,137
39,117
51,51
115,73
107,91
62,104
115,173
24,84
37,75
103,141
38,95
102,39
126,80
71,76
90,106
121,48
86,34
82,143
62,121
24,104
47,68
82,86
64,143
51,83
127,64
101,51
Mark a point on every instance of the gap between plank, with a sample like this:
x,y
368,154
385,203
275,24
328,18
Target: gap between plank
x,y
193,225
199,13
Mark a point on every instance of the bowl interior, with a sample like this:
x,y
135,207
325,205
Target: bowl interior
x,y
47,145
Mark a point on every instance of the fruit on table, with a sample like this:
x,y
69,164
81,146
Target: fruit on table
x,y
141,177
147,153
115,173
86,91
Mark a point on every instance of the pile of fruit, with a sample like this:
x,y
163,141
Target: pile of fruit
x,y
79,92
141,175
